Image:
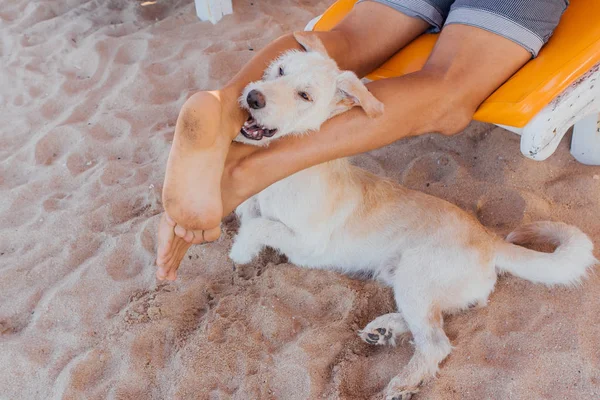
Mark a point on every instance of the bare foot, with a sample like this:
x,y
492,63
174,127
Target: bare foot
x,y
192,188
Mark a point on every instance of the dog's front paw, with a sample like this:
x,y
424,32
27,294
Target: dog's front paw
x,y
398,390
240,254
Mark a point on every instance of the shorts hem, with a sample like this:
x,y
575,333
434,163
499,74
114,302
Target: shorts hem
x,y
497,24
416,8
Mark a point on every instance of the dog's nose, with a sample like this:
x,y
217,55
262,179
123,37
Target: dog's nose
x,y
256,100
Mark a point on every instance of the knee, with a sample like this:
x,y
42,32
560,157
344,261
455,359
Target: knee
x,y
450,111
454,120
339,44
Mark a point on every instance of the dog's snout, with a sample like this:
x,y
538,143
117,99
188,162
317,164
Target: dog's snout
x,y
256,100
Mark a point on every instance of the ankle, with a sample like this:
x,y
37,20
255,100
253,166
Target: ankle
x,y
449,109
230,96
232,114
238,183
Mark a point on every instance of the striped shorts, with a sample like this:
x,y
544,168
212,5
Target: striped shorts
x,y
529,23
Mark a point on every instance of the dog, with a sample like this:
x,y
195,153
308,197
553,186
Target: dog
x,y
437,258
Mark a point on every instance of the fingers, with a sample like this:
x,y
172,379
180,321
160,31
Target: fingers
x,y
161,273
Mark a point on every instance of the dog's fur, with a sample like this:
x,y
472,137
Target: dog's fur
x,y
438,258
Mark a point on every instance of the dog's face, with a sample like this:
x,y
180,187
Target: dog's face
x,y
299,91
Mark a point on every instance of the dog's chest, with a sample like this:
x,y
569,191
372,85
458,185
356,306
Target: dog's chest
x,y
297,201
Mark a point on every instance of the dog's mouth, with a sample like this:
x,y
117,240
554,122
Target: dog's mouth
x,y
251,130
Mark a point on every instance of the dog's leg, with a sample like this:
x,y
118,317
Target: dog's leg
x,y
384,329
432,345
255,234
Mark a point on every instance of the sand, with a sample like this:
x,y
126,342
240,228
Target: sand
x,y
90,95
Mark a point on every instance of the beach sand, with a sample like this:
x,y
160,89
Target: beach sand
x,y
90,95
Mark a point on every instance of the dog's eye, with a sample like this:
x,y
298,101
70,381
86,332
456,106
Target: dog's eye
x,y
280,71
304,96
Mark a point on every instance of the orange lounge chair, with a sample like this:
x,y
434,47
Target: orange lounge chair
x,y
558,89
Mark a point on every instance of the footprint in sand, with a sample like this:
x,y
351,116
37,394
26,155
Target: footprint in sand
x,y
34,92
14,176
116,173
88,372
122,264
131,52
53,146
18,100
14,325
55,202
370,163
430,168
160,69
501,210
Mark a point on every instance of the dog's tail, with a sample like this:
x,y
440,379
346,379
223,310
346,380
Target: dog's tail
x,y
567,265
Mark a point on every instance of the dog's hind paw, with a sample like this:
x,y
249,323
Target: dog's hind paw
x,y
383,330
381,336
403,396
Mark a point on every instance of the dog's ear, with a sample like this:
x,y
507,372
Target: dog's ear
x,y
354,93
311,42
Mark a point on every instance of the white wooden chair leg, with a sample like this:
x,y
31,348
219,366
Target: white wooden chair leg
x,y
213,10
311,24
541,136
585,145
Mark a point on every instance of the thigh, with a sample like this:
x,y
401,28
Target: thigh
x,y
434,12
473,63
484,42
374,32
528,23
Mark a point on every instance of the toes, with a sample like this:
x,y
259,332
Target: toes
x,y
405,395
385,333
189,236
161,273
180,231
172,275
169,220
377,336
372,338
213,234
199,236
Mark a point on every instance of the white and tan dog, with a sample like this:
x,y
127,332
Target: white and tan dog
x,y
436,257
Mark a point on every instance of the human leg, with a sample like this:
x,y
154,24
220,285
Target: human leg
x,y
209,121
